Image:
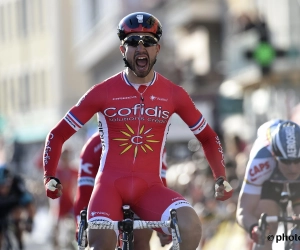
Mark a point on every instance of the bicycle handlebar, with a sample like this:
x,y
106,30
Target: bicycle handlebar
x,y
137,224
285,181
265,219
128,224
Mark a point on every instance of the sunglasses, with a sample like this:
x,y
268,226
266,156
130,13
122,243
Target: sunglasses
x,y
289,161
134,41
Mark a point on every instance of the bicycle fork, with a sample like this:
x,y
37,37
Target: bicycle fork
x,y
176,238
126,226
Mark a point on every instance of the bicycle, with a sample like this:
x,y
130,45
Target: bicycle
x,y
291,239
126,226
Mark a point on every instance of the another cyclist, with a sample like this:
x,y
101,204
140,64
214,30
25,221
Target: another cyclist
x,y
275,155
89,165
15,200
134,109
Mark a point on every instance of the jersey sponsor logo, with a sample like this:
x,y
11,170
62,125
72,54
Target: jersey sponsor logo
x,y
124,98
291,142
85,167
181,202
199,126
99,213
48,149
259,170
220,149
101,132
142,118
136,140
155,98
73,121
137,109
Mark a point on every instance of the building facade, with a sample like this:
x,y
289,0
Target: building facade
x,y
36,67
248,26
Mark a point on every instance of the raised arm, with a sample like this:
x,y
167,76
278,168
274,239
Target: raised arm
x,y
75,118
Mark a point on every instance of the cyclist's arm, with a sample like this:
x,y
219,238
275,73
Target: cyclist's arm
x,y
246,207
75,118
259,169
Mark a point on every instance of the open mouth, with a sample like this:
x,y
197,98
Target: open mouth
x,y
141,62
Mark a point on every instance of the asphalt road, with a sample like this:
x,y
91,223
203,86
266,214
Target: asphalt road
x,y
40,238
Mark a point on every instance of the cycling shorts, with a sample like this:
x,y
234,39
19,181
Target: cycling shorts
x,y
144,192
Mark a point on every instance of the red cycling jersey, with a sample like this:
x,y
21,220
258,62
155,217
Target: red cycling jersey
x,y
89,165
133,128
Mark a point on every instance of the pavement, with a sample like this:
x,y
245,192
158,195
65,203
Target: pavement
x,y
230,236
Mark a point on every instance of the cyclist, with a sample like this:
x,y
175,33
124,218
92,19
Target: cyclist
x,y
89,164
14,200
134,109
275,155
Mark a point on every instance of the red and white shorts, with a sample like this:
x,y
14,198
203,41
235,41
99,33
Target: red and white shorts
x,y
144,192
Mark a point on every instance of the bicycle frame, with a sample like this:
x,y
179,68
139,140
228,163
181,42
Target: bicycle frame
x,y
284,218
126,226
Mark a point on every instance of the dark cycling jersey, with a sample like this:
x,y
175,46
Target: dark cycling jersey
x,y
17,196
133,127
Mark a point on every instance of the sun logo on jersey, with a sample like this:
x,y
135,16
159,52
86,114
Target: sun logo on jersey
x,y
141,139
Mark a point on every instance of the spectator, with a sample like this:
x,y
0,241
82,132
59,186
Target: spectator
x,y
14,201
